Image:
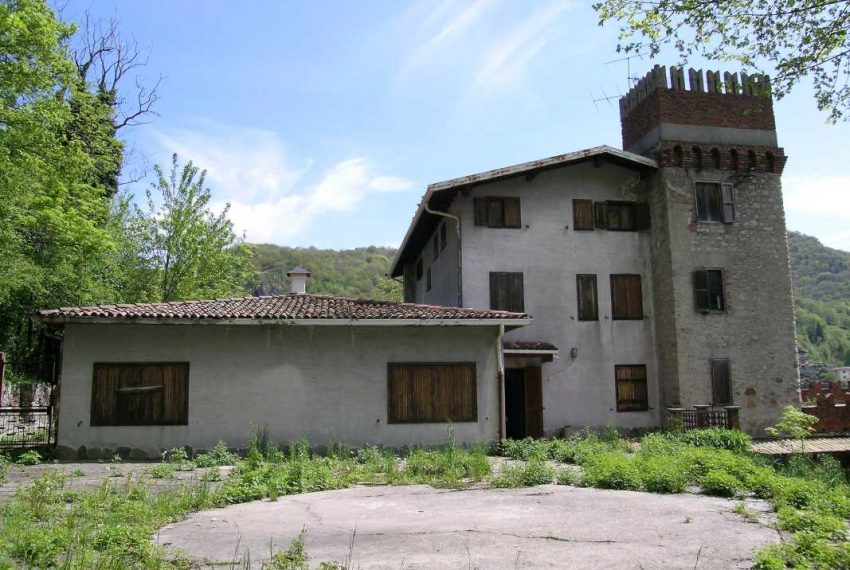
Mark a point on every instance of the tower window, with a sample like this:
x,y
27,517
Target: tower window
x,y
708,290
733,159
751,159
714,202
697,157
715,158
678,155
770,160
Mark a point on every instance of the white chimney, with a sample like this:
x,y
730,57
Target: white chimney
x,y
298,279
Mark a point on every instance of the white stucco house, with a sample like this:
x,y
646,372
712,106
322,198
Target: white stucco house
x,y
145,378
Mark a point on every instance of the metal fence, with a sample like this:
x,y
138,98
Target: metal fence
x,y
700,418
27,427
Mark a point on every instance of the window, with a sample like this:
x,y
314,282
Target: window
x,y
497,212
428,280
715,202
626,297
631,388
506,292
431,393
621,216
436,247
588,306
140,394
708,289
721,382
582,215
419,270
443,236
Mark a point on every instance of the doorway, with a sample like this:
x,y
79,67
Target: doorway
x,y
523,402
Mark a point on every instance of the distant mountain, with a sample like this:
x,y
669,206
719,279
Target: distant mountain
x,y
821,283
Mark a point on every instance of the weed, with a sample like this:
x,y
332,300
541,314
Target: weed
x,y
720,484
741,510
662,475
612,471
293,558
29,458
721,438
528,474
218,456
162,471
567,477
77,473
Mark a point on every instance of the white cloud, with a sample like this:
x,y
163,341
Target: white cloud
x,y
272,197
819,205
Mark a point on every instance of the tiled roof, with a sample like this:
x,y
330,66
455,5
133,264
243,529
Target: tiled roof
x,y
285,307
528,345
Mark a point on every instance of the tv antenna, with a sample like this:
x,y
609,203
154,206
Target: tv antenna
x,y
631,81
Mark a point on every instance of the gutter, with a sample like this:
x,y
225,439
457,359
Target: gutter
x,y
459,257
500,363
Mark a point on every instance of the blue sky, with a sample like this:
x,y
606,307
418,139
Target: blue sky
x,y
322,122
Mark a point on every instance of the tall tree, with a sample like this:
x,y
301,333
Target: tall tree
x,y
789,39
53,244
185,250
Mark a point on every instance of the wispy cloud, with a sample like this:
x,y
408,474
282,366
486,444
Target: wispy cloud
x,y
486,44
506,61
819,205
274,197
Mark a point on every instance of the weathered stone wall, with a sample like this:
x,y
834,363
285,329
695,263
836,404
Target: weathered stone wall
x,y
756,332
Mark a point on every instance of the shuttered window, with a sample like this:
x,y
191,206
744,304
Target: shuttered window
x,y
715,202
708,290
497,212
140,394
431,393
622,216
626,297
506,292
583,215
588,305
631,388
721,382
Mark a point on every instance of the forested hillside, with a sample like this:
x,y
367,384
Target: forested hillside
x,y
349,273
822,287
821,280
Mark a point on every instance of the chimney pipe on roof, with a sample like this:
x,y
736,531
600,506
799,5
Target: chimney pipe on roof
x,y
298,279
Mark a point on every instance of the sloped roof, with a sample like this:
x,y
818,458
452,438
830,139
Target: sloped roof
x,y
439,195
292,306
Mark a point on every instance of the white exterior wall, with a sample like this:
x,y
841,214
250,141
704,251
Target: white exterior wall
x,y
576,392
322,383
444,269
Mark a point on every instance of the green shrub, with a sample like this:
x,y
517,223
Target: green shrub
x,y
447,466
612,471
523,449
825,525
29,458
700,461
218,456
528,474
822,468
720,484
662,475
720,438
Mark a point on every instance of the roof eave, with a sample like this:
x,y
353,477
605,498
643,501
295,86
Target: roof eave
x,y
637,161
507,322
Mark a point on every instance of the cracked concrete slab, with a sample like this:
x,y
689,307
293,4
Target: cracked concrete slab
x,y
421,527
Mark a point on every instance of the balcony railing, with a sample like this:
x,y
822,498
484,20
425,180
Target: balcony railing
x,y
704,417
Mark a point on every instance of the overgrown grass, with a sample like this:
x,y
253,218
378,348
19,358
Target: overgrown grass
x,y
46,525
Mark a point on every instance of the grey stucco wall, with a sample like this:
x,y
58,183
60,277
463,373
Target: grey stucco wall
x,y
322,383
756,333
576,392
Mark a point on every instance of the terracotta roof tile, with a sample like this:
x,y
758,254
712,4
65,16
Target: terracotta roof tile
x,y
292,306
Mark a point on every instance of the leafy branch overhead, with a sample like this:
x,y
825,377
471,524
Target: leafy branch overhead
x,y
791,40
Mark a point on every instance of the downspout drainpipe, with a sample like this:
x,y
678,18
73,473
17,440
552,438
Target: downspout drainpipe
x,y
500,363
459,262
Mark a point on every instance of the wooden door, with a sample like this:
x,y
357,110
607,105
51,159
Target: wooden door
x,y
533,402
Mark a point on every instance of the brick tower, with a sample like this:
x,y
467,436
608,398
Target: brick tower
x,y
724,318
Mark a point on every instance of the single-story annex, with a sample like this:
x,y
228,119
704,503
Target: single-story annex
x,y
150,377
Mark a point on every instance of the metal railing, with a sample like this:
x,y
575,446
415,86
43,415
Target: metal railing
x,y
703,417
27,427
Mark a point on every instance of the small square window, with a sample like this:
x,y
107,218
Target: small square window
x,y
708,290
631,387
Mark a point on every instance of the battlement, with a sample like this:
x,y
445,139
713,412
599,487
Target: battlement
x,y
697,107
726,83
